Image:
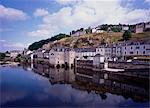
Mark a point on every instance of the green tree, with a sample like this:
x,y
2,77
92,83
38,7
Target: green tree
x,y
126,35
39,44
2,56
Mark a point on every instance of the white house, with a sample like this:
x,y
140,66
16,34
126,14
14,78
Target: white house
x,y
125,27
139,48
97,60
97,30
15,53
105,50
116,51
85,53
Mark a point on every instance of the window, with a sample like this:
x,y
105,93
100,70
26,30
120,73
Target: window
x,y
125,47
137,47
143,52
144,47
137,52
131,47
125,52
131,52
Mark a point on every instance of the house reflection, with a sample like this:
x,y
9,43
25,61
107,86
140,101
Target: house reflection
x,y
99,83
61,76
115,84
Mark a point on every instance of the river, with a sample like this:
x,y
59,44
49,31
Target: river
x,y
41,86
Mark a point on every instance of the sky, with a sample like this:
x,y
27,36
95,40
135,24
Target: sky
x,y
23,22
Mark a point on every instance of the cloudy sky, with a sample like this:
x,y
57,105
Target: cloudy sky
x,y
25,21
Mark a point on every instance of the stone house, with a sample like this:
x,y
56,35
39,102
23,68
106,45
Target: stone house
x,y
78,32
105,50
140,28
62,57
98,61
46,54
138,48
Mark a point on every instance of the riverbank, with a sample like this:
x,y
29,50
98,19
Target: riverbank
x,y
8,63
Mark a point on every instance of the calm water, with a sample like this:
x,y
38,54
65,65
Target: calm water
x,y
41,86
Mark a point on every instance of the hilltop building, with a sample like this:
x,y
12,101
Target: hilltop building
x,y
78,32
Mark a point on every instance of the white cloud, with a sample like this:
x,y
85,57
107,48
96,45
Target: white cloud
x,y
7,45
90,13
45,30
40,12
147,1
12,14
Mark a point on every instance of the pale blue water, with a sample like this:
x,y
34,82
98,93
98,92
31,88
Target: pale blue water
x,y
23,87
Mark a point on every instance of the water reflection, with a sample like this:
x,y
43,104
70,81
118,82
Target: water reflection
x,y
39,85
100,83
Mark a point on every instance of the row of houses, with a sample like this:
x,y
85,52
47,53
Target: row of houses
x,y
136,28
124,50
64,56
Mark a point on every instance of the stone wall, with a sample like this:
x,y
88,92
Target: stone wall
x,y
127,65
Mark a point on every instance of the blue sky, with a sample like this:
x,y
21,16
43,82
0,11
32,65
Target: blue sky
x,y
26,21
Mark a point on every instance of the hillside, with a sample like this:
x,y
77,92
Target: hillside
x,y
39,44
93,40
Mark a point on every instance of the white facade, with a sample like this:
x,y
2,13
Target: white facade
x,y
124,28
97,60
136,50
81,53
105,51
93,30
97,30
147,25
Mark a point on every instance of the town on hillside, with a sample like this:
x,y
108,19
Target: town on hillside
x,y
121,56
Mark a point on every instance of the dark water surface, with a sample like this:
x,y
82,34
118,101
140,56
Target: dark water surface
x,y
42,86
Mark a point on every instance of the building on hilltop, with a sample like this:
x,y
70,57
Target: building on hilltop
x,y
147,26
78,32
140,28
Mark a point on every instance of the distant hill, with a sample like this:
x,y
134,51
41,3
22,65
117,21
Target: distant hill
x,y
93,40
39,44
